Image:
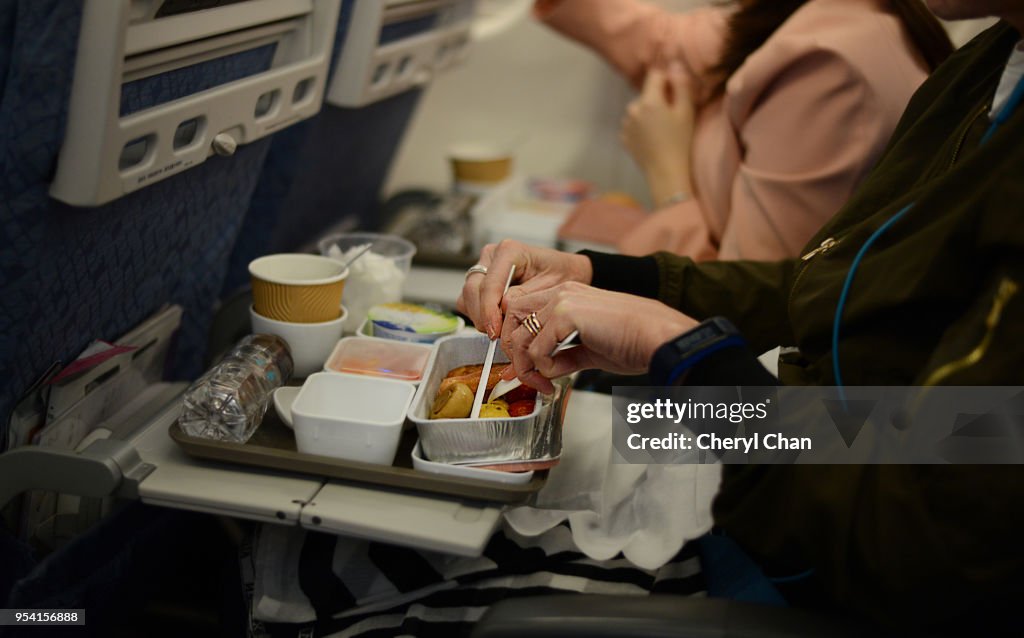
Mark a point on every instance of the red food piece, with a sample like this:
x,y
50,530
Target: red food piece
x,y
521,408
522,393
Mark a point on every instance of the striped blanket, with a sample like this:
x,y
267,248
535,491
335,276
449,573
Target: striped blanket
x,y
308,584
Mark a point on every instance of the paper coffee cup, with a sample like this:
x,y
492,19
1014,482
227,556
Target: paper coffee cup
x,y
479,166
297,288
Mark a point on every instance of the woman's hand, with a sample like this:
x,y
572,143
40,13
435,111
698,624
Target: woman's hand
x,y
537,269
619,332
657,130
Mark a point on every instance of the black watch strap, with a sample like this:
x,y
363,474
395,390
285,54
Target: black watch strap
x,y
675,357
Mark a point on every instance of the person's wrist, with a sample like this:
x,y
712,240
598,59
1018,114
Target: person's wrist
x,y
581,270
675,198
622,273
671,361
668,183
663,333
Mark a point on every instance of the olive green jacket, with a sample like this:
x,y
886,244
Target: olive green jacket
x,y
936,300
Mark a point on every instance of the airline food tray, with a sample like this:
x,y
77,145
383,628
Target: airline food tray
x,y
272,447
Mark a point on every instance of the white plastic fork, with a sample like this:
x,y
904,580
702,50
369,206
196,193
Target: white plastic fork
x,y
485,374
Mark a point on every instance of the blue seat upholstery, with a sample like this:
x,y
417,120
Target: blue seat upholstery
x,y
70,275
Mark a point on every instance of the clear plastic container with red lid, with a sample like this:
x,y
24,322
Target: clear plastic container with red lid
x,y
379,358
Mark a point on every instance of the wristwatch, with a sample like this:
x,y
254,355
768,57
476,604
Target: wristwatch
x,y
675,357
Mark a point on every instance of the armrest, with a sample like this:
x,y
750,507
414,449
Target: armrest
x,y
653,617
103,468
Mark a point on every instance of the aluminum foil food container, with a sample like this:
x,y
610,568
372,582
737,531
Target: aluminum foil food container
x,y
534,436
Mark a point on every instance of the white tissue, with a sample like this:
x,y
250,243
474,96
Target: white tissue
x,y
646,512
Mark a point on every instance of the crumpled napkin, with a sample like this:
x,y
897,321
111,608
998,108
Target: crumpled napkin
x,y
646,512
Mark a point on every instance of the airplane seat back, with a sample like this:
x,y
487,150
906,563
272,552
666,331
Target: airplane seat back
x,y
321,171
6,40
71,275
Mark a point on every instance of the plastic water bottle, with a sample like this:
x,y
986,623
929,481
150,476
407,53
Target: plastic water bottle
x,y
229,401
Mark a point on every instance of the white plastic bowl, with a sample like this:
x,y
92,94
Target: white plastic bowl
x,y
309,343
351,417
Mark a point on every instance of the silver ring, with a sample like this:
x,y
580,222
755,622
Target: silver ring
x,y
532,324
476,268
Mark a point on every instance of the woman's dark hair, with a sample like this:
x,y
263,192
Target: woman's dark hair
x,y
755,21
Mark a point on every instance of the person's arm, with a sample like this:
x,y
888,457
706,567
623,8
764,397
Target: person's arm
x,y
729,367
633,36
809,140
810,131
617,332
657,130
679,228
753,295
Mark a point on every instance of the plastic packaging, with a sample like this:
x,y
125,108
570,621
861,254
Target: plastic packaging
x,y
229,401
379,358
376,277
411,322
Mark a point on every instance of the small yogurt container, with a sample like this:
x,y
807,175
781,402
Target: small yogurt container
x,y
411,322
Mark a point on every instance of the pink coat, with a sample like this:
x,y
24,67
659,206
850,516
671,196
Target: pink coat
x,y
800,125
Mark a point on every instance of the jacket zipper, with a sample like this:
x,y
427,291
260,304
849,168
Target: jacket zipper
x,y
963,136
831,242
823,248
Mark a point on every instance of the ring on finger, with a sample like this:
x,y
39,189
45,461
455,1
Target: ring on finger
x,y
532,324
476,268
